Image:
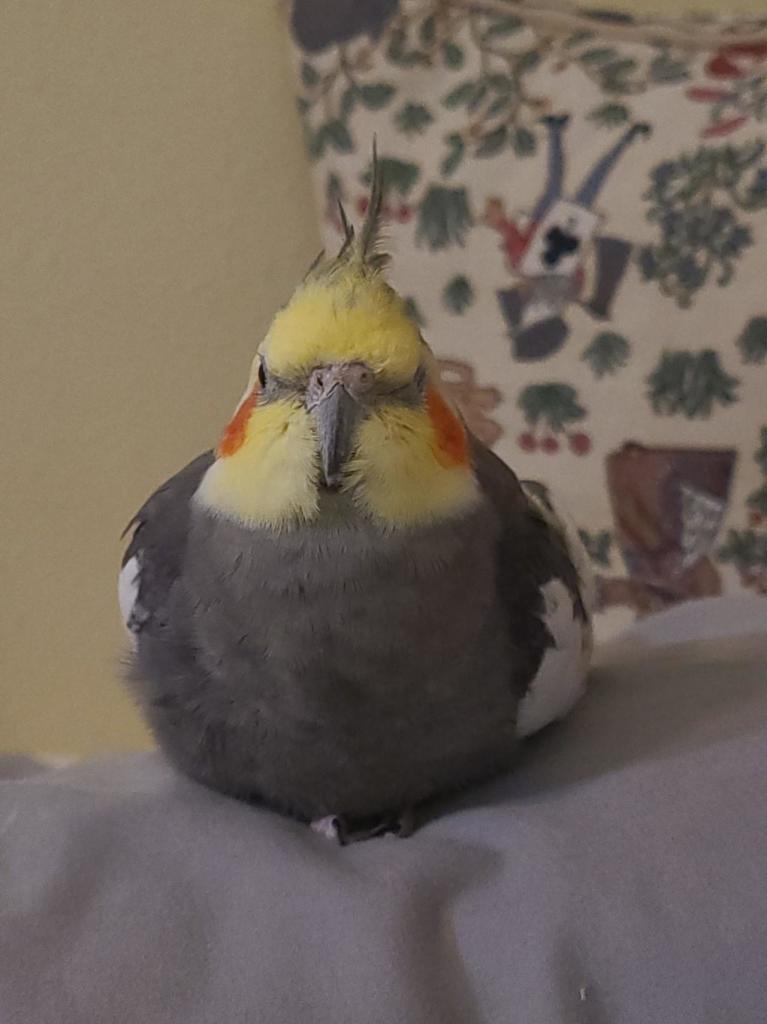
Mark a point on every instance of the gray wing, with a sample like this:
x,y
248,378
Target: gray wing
x,y
154,557
541,590
163,671
532,543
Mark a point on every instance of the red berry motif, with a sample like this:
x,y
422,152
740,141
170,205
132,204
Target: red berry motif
x,y
404,213
722,67
362,205
705,95
527,442
550,445
580,444
724,127
755,517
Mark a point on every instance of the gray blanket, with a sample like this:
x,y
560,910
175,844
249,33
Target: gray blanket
x,y
619,876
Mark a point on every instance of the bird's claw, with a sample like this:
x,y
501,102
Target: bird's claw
x,y
344,830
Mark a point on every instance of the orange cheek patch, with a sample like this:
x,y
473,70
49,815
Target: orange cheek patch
x,y
234,435
452,443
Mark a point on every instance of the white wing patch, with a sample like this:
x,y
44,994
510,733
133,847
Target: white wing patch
x,y
561,677
127,589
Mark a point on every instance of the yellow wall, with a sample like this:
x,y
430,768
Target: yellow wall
x,y
154,209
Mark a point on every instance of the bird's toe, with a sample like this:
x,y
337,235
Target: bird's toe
x,y
345,830
329,827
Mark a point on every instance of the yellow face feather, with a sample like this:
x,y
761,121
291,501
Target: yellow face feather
x,y
400,475
410,464
352,317
271,479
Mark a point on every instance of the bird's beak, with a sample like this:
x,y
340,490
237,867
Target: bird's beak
x,y
336,415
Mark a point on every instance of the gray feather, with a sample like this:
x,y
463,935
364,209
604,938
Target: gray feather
x,y
362,249
338,668
370,233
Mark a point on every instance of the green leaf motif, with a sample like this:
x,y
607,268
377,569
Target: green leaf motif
x,y
413,118
753,340
348,101
443,217
315,142
598,545
333,188
611,70
337,135
453,55
503,27
398,54
396,175
695,201
607,353
614,77
523,142
599,55
690,384
428,30
609,115
665,69
578,38
454,155
499,103
458,294
396,47
413,311
757,500
500,83
528,61
376,96
555,405
460,95
309,75
745,549
761,456
478,94
493,142
621,67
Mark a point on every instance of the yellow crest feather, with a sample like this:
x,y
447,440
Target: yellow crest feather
x,y
345,317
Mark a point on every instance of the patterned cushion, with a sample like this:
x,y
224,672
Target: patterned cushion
x,y
577,205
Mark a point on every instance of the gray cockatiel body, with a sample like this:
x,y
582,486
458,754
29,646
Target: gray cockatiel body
x,y
353,606
341,670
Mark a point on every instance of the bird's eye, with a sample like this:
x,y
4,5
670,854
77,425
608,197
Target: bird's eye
x,y
262,374
420,378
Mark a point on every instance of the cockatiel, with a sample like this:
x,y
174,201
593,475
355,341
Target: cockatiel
x,y
352,606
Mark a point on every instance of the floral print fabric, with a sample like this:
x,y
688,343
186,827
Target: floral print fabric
x,y
577,209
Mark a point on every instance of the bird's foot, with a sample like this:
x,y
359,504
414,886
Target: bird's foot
x,y
344,830
328,827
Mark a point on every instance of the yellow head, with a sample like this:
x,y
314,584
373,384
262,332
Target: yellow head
x,y
343,396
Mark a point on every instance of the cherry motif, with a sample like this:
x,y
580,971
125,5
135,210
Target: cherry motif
x,y
550,445
580,444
